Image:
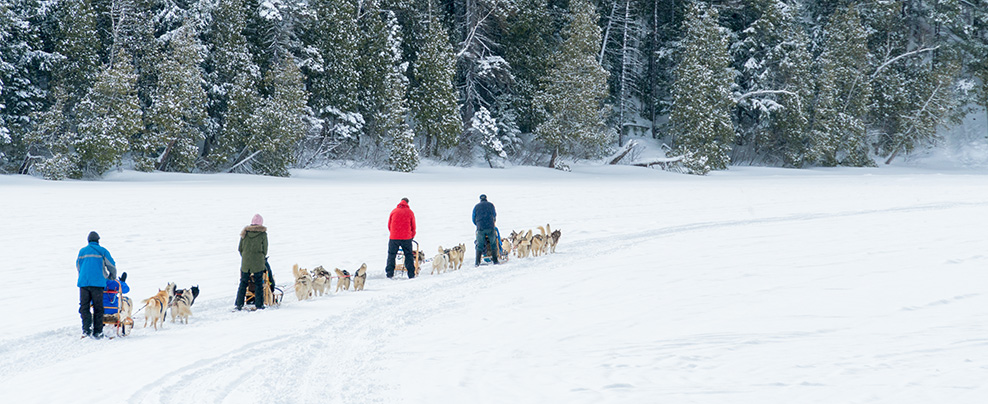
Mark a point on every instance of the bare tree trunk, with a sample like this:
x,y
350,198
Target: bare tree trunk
x,y
555,154
164,157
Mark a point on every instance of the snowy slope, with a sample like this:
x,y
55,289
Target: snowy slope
x,y
747,286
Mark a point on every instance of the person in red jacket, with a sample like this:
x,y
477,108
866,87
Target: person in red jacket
x,y
401,224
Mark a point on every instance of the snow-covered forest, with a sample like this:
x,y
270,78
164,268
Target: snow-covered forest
x,y
264,86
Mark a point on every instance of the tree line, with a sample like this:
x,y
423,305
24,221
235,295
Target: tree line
x,y
263,86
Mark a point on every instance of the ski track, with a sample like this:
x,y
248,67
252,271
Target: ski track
x,y
293,368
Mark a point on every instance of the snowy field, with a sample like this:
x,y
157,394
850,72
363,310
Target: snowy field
x,y
753,285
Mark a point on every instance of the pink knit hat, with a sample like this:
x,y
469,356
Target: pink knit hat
x,y
257,220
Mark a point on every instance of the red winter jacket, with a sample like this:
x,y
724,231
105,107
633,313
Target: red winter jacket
x,y
401,223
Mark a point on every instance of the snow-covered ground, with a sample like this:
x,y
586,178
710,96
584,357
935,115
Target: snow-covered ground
x,y
752,285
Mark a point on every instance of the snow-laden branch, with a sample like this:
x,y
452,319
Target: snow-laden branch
x,y
473,32
243,161
904,55
763,92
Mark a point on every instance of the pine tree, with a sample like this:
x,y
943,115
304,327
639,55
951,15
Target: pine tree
x,y
843,93
528,48
434,100
333,76
774,63
382,90
486,128
51,140
233,92
81,50
700,118
573,99
178,111
109,116
281,120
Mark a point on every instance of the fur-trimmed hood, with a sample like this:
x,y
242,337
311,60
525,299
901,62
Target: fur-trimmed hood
x,y
254,227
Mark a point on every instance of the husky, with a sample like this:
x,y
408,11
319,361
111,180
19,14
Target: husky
x,y
303,283
155,306
181,306
456,255
344,281
321,279
553,238
360,277
440,261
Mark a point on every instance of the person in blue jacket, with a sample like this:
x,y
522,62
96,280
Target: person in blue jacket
x,y
111,299
484,217
95,266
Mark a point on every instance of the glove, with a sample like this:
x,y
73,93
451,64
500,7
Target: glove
x,y
123,278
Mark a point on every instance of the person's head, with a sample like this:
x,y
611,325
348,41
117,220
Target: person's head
x,y
404,200
93,237
483,197
257,220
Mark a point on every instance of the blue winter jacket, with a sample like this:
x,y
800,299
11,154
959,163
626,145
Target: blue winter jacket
x,y
484,215
111,300
90,265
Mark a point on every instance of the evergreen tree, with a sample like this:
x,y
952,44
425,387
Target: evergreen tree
x,y
332,76
434,100
109,116
528,47
233,92
51,141
79,47
702,101
281,120
573,99
843,93
486,128
382,90
774,69
178,111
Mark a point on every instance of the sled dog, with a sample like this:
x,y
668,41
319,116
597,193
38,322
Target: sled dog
x,y
181,306
303,283
321,280
344,281
157,305
505,252
553,238
439,261
456,254
360,277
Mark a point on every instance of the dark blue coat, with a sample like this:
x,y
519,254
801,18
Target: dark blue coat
x,y
484,215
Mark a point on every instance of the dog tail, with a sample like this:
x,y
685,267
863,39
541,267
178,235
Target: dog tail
x,y
542,230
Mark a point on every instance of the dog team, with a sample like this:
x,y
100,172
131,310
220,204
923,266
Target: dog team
x,y
97,270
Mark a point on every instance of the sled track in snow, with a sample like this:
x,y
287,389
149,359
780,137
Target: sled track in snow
x,y
292,366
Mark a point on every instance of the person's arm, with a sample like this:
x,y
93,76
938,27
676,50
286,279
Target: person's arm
x,y
264,244
475,214
413,225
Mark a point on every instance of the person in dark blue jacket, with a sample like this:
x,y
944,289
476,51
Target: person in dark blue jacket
x,y
484,217
95,266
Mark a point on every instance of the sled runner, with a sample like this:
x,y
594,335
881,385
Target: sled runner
x,y
417,258
117,313
272,294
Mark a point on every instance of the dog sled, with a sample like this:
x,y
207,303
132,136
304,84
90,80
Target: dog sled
x,y
118,312
417,257
272,293
502,252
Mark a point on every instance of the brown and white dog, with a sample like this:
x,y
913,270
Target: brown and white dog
x,y
456,254
157,305
321,280
344,281
303,283
181,306
360,277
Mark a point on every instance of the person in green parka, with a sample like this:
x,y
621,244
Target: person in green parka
x,y
253,250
